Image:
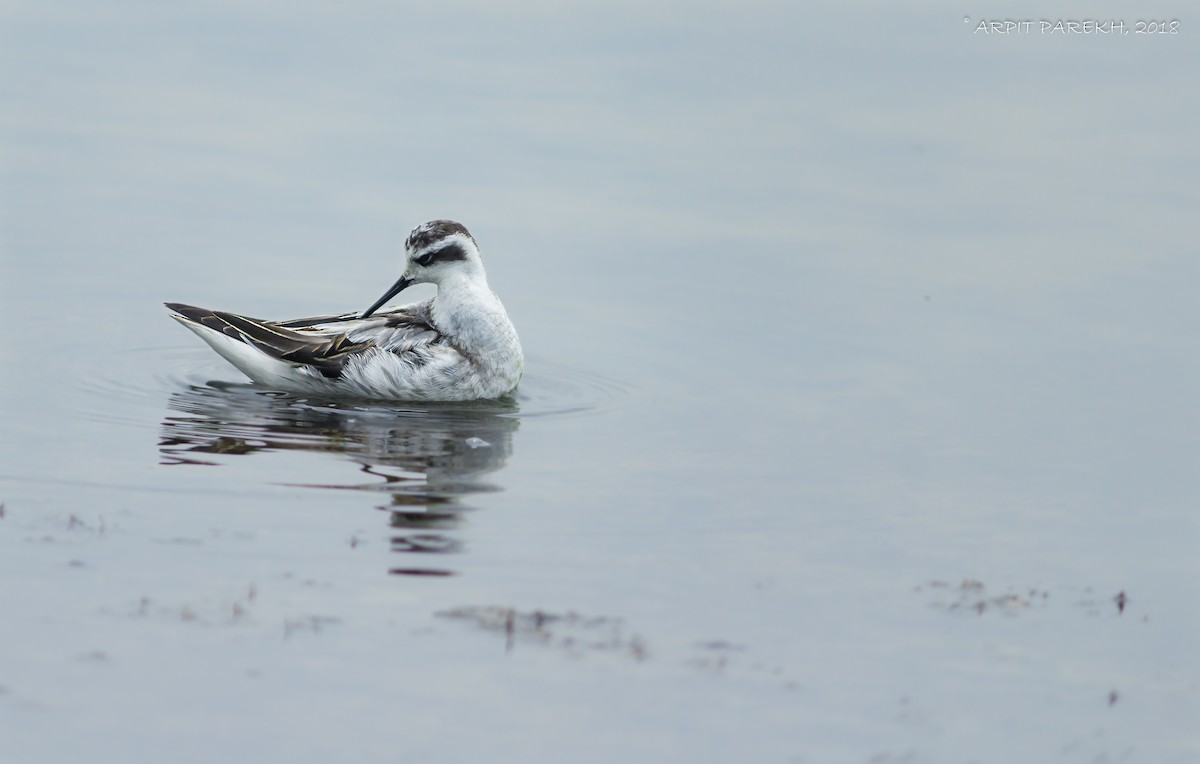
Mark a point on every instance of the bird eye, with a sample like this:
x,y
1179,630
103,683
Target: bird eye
x,y
446,253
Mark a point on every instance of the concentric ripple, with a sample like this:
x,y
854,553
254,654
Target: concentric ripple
x,y
130,390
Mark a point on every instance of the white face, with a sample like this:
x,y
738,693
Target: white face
x,y
436,253
435,261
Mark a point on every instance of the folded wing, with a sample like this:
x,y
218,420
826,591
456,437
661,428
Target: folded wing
x,y
323,343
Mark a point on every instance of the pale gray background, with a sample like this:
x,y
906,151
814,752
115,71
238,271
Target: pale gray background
x,y
862,377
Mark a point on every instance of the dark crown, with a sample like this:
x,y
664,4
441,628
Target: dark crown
x,y
435,230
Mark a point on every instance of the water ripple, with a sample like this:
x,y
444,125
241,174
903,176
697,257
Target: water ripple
x,y
416,461
130,390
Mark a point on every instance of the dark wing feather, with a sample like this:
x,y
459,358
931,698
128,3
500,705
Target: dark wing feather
x,y
326,352
204,317
301,323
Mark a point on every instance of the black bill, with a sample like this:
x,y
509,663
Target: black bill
x,y
396,289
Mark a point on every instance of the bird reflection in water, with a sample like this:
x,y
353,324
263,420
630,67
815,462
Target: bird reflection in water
x,y
424,457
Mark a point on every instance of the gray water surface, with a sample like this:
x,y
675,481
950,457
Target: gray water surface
x,y
859,422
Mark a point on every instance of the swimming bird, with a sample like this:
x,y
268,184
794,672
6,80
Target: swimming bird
x,y
459,345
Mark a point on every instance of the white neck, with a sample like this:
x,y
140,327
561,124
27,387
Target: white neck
x,y
472,314
466,307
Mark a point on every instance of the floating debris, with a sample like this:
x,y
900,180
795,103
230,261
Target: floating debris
x,y
717,654
421,572
311,623
972,596
569,631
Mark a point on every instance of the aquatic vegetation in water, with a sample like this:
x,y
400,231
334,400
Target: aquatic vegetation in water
x,y
568,631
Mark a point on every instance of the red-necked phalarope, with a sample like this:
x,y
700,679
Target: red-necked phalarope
x,y
456,346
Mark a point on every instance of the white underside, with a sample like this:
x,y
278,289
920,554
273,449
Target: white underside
x,y
252,362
